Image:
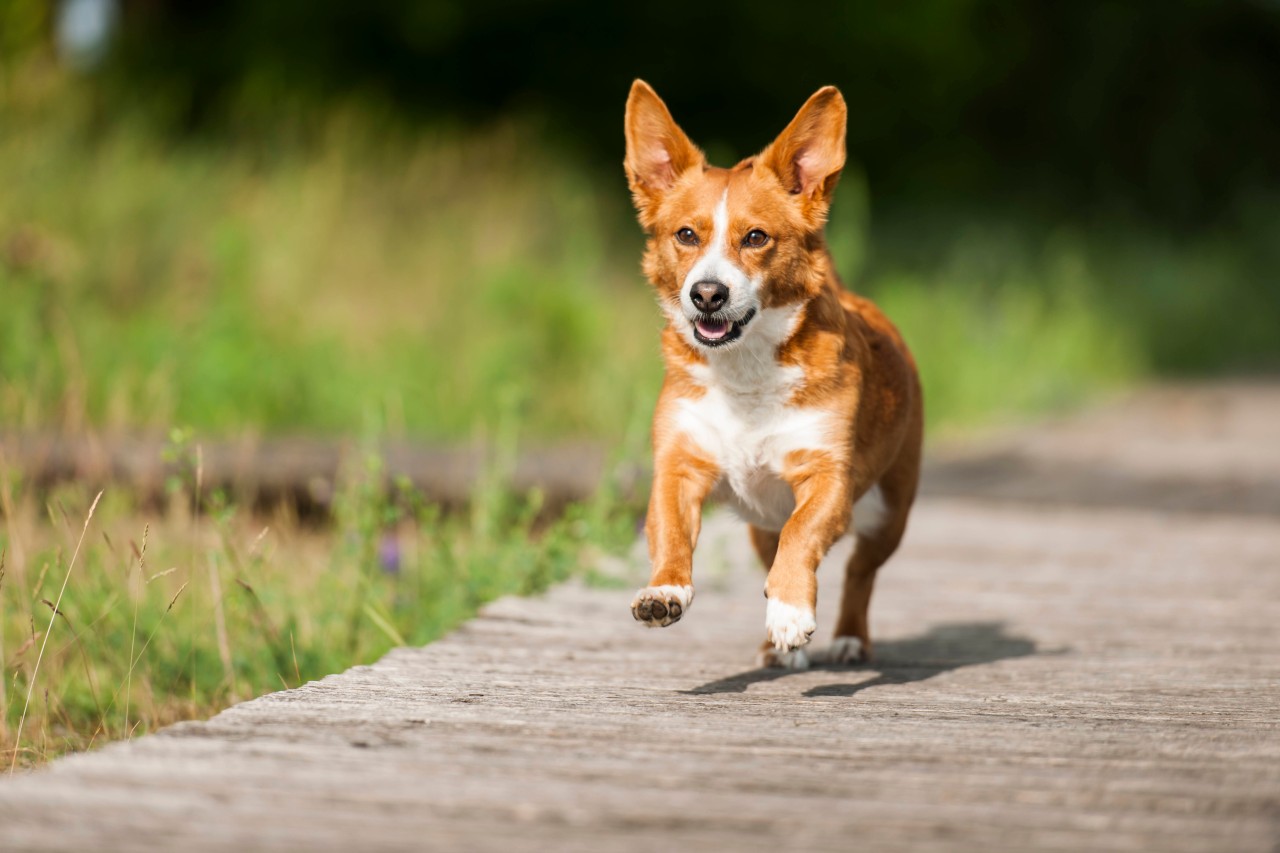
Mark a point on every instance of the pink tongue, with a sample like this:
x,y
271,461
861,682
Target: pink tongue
x,y
712,331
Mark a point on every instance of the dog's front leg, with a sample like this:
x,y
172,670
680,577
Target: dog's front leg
x,y
681,482
822,514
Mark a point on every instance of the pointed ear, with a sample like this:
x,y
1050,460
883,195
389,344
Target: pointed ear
x,y
658,152
807,157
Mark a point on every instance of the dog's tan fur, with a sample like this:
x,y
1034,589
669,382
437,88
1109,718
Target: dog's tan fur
x,y
818,395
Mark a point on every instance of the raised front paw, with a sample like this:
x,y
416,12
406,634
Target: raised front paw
x,y
659,606
789,627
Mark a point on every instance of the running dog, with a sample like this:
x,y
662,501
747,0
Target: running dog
x,y
786,396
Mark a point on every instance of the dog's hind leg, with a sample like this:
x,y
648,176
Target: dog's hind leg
x,y
766,544
880,519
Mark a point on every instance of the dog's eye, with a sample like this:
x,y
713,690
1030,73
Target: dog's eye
x,y
755,238
686,236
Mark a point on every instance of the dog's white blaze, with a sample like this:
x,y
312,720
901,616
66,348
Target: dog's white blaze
x,y
870,512
788,626
715,265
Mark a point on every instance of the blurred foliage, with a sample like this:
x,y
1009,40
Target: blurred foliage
x,y
1170,109
363,279
368,276
24,26
409,218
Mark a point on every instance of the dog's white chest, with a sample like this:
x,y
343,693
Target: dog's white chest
x,y
749,434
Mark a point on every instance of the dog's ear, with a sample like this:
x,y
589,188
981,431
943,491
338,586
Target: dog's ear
x,y
807,157
658,152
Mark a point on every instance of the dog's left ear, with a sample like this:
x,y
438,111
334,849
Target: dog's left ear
x,y
807,157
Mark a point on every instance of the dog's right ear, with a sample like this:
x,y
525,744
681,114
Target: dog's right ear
x,y
658,152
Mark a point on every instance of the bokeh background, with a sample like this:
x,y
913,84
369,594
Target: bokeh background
x,y
408,221
411,217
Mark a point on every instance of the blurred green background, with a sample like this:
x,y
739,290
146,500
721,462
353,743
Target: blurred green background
x,y
410,218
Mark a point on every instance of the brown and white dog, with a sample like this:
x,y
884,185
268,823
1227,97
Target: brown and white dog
x,y
786,396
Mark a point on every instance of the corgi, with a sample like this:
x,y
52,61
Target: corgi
x,y
785,396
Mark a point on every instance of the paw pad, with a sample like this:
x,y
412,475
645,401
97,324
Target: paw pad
x,y
660,606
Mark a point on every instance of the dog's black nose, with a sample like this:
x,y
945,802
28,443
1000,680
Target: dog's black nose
x,y
709,296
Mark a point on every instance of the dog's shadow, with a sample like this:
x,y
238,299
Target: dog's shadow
x,y
942,648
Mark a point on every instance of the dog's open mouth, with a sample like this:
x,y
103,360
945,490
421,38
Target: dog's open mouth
x,y
715,332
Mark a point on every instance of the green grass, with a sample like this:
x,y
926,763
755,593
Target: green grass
x,y
181,615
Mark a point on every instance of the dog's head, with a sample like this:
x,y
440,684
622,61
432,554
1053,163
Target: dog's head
x,y
726,245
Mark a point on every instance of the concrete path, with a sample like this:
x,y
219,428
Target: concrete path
x,y
1095,667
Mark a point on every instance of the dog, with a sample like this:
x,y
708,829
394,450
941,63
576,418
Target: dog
x,y
789,398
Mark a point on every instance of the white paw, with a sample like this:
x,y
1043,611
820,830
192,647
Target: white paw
x,y
774,659
659,606
788,627
843,650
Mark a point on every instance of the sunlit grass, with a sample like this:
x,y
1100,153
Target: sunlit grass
x,y
174,617
1033,341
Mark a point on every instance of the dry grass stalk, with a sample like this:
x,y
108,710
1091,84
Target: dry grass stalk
x,y
4,696
220,626
133,633
35,672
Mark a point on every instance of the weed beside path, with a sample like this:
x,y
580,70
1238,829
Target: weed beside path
x,y
177,617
